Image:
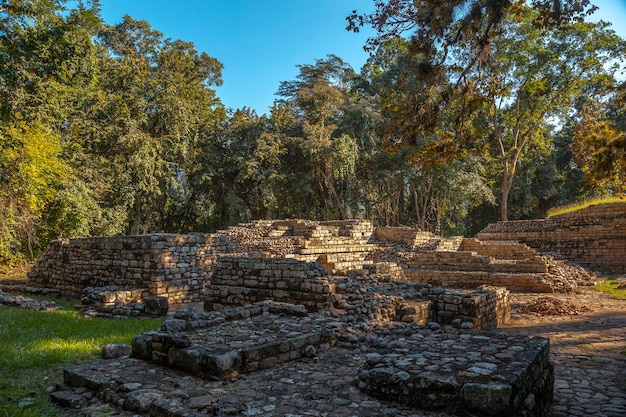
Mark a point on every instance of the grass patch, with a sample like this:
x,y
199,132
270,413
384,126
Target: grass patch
x,y
571,208
36,346
612,288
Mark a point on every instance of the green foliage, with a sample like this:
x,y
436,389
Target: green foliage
x,y
114,128
32,172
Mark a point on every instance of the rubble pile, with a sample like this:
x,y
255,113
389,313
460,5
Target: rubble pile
x,y
20,301
550,306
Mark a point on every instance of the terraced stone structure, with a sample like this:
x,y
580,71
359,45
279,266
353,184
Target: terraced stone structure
x,y
179,267
594,237
292,294
240,281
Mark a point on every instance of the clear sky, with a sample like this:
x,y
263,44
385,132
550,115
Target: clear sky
x,y
261,42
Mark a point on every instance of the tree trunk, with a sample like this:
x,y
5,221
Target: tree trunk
x,y
504,199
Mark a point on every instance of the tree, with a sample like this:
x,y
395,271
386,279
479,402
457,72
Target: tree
x,y
599,144
319,93
157,101
532,80
437,29
32,171
46,64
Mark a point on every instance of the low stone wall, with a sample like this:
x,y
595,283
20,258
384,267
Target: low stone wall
x,y
239,281
501,250
406,236
172,266
485,309
462,279
519,383
594,237
468,261
273,337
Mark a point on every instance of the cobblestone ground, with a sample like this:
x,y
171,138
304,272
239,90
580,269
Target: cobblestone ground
x,y
589,352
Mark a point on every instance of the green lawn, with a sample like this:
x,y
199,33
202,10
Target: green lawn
x,y
36,346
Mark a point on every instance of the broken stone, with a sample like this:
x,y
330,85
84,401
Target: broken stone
x,y
112,351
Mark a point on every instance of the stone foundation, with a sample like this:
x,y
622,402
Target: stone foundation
x,y
239,281
172,266
519,382
428,367
258,336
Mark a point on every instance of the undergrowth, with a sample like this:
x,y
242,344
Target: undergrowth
x,y
571,208
36,346
614,289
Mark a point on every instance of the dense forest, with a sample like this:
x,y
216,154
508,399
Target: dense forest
x,y
463,115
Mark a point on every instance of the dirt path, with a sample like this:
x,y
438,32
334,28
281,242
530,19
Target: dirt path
x,y
588,349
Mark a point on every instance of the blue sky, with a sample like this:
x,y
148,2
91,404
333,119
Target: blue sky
x,y
261,42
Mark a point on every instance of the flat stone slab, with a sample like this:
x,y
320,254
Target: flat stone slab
x,y
495,374
245,339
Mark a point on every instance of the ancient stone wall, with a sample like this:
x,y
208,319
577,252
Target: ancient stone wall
x,y
594,237
407,236
179,266
239,281
173,266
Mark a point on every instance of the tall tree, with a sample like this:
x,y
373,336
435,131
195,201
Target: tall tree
x,y
599,144
46,65
320,93
533,79
438,29
157,101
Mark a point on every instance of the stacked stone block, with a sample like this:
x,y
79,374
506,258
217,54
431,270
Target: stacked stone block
x,y
173,266
239,281
537,283
499,375
273,337
246,280
594,237
471,261
485,309
410,237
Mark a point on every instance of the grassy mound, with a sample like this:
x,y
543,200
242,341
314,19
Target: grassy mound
x,y
571,208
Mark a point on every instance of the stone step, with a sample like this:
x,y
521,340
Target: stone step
x,y
259,336
525,282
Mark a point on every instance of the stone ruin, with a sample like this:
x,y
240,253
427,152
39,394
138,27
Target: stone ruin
x,y
180,267
399,349
594,237
413,316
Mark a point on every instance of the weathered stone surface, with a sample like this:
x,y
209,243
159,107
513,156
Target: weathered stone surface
x,y
68,399
28,303
594,237
156,306
443,369
113,351
179,267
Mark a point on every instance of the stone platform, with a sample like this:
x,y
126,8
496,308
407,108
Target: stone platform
x,y
406,365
